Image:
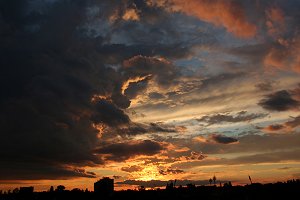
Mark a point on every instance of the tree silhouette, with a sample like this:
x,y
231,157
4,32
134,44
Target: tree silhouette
x,y
60,188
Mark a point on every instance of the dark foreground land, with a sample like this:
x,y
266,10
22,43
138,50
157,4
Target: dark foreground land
x,y
286,190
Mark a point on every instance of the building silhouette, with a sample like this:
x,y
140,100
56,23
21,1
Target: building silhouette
x,y
104,186
26,190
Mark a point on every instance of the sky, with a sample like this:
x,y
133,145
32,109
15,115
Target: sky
x,y
147,91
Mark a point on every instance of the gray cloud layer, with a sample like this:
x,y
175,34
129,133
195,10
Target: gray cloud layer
x,y
241,116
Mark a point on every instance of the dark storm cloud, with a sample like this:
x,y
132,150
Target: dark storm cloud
x,y
48,76
136,88
31,171
50,70
54,57
133,129
223,139
109,114
242,116
124,151
155,32
158,127
279,101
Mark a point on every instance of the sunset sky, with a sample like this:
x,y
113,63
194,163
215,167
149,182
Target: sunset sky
x,y
141,90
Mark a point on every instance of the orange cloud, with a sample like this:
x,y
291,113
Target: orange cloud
x,y
227,13
284,55
216,138
132,80
97,97
275,21
276,58
131,15
200,139
286,127
274,127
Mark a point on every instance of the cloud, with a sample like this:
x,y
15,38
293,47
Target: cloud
x,y
158,127
132,129
293,123
47,114
216,138
223,139
274,127
109,114
155,95
269,157
123,151
279,101
136,88
162,70
251,143
265,86
23,170
137,79
229,14
68,78
117,176
275,21
241,116
196,156
133,168
284,168
284,127
131,14
170,171
220,79
63,76
282,55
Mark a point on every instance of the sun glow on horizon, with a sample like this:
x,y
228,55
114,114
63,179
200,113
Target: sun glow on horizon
x,y
148,173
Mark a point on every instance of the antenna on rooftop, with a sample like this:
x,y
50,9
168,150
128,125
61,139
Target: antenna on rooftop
x,y
250,179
